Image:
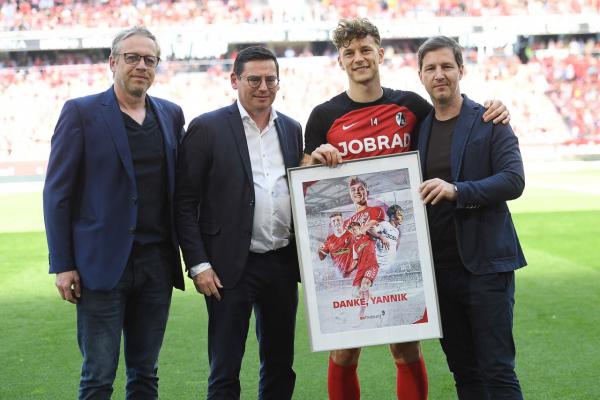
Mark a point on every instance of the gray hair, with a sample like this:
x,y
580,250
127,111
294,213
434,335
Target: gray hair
x,y
135,31
440,42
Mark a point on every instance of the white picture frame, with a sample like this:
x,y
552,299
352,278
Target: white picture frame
x,y
345,311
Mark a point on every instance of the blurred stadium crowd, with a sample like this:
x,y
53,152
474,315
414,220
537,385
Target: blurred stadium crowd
x,y
549,83
53,14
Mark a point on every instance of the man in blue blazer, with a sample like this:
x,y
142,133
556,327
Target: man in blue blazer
x,y
235,227
471,169
108,210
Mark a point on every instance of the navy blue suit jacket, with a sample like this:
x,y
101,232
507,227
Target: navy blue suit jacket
x,y
90,207
215,190
487,169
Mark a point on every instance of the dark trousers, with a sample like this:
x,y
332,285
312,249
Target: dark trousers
x,y
267,286
477,320
138,308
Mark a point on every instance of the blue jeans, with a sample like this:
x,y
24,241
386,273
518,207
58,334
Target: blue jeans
x,y
477,321
138,307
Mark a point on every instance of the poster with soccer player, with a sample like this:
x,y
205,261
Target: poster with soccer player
x,y
364,252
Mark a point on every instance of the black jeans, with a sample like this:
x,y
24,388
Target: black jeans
x,y
477,320
273,294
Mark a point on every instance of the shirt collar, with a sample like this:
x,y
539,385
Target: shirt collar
x,y
245,116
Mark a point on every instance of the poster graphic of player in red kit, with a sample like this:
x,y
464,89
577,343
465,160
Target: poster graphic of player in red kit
x,y
367,217
365,263
349,213
338,245
378,199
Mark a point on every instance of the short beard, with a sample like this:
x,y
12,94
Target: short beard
x,y
137,92
133,92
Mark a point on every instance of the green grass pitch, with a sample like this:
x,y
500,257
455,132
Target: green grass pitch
x,y
557,313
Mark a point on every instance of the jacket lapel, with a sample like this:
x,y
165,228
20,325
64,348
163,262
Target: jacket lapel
x,y
423,142
114,124
169,141
237,129
460,136
284,143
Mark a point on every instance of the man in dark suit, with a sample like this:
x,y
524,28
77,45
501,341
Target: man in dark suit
x,y
235,227
108,210
471,169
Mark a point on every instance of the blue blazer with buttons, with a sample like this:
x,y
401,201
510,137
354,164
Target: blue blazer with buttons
x,y
487,169
90,193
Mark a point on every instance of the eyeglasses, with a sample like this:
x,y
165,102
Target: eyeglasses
x,y
255,81
134,59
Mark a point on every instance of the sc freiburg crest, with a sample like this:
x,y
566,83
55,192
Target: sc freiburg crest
x,y
400,119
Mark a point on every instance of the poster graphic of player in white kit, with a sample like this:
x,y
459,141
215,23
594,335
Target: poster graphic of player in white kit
x,y
395,295
388,235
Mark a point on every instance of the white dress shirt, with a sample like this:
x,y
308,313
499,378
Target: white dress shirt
x,y
272,224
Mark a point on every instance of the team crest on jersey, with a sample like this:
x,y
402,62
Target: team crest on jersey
x,y
400,119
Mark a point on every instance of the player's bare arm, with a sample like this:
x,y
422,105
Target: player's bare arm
x,y
374,234
68,284
496,112
384,242
435,190
208,283
370,224
326,154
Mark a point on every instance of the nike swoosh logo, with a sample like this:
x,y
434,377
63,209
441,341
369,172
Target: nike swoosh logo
x,y
346,127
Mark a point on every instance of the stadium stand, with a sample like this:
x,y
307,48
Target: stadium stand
x,y
574,89
549,97
60,14
546,72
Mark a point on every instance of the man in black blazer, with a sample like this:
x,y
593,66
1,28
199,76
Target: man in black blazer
x,y
235,225
471,169
108,210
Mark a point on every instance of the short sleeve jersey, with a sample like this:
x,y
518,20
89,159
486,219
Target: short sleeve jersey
x,y
340,250
358,130
366,215
385,257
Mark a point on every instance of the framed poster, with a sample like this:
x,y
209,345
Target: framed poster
x,y
364,251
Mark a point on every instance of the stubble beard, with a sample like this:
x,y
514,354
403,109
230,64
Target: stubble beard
x,y
134,91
